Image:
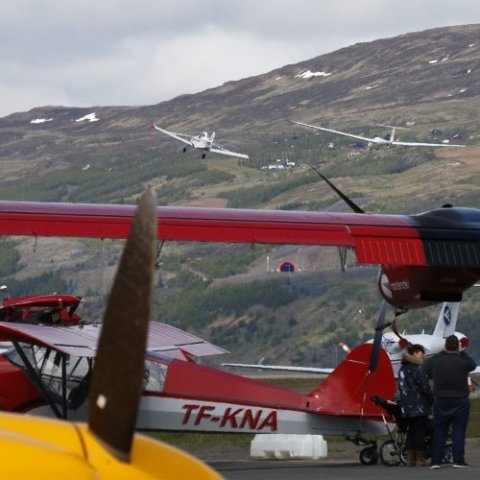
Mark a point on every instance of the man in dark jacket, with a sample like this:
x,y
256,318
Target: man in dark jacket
x,y
449,371
416,401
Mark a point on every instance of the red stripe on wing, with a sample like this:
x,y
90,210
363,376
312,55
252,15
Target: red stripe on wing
x,y
387,239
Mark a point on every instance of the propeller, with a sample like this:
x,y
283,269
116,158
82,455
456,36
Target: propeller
x,y
117,378
377,339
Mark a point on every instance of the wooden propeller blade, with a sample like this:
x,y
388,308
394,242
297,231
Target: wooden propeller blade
x,y
119,367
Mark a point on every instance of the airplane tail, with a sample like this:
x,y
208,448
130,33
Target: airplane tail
x,y
392,135
212,137
447,320
347,391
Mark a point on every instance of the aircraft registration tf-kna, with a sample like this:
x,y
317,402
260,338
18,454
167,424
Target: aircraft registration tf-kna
x,y
202,142
377,142
106,447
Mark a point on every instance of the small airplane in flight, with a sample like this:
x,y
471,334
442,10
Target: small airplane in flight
x,y
202,142
107,446
378,142
393,343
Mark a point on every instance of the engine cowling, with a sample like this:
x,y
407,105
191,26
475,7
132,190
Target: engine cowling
x,y
415,287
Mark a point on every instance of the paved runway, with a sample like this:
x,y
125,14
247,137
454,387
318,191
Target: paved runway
x,y
309,470
343,469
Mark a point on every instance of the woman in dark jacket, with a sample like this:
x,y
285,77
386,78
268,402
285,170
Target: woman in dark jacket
x,y
416,402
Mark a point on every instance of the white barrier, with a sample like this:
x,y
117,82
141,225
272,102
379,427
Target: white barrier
x,y
283,446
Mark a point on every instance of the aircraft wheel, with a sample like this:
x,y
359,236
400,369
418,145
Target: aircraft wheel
x,y
203,155
389,454
369,456
184,149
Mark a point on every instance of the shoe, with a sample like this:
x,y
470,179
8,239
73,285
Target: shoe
x,y
460,465
434,466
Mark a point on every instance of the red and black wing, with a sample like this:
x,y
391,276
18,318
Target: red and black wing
x,y
443,237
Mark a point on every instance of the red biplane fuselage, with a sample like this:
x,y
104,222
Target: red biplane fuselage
x,y
39,377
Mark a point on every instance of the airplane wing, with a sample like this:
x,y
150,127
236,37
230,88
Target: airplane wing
x,y
178,136
419,144
281,368
330,130
224,151
81,341
441,237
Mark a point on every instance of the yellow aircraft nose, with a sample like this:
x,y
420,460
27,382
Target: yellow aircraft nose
x,y
46,449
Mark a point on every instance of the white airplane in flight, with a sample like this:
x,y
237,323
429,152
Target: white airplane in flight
x,y
200,142
377,142
394,344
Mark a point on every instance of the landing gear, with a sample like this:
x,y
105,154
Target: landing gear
x,y
184,149
369,454
203,156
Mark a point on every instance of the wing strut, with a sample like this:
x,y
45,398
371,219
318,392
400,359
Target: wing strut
x,y
159,251
377,339
36,380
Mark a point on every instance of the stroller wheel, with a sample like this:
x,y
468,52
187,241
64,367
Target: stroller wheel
x,y
369,456
390,454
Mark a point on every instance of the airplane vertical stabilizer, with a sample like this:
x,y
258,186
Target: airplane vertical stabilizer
x,y
348,389
447,320
392,135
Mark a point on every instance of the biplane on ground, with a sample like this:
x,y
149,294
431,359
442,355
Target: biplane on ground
x,y
53,365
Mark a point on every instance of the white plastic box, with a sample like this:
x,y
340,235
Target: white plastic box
x,y
284,446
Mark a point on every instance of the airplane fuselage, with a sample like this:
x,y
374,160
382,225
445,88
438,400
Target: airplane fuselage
x,y
184,396
393,346
201,142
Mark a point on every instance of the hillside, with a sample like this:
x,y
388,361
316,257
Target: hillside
x,y
428,81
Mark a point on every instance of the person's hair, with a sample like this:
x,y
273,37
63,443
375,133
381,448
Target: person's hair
x,y
415,348
452,344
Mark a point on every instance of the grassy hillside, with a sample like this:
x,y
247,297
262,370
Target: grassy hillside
x,y
232,294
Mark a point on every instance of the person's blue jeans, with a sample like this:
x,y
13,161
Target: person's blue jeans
x,y
452,414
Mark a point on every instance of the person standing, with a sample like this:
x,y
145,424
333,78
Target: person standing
x,y
449,371
416,401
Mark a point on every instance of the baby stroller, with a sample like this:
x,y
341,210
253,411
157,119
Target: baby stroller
x,y
393,451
